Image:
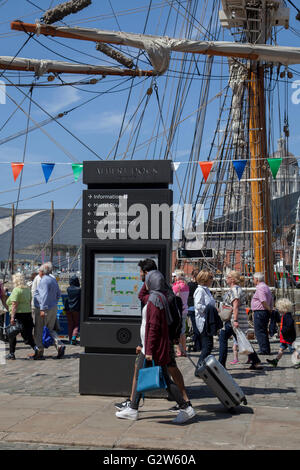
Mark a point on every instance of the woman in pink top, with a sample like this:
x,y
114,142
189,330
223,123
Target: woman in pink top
x,y
181,289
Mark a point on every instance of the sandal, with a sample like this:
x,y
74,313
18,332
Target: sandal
x,y
180,354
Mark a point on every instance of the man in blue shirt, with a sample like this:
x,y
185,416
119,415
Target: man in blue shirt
x,y
46,298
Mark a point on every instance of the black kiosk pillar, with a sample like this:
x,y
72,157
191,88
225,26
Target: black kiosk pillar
x,y
126,218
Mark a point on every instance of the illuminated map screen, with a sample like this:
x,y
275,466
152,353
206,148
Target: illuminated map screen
x,y
117,284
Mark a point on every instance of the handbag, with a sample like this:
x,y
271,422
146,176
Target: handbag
x,y
11,331
150,378
2,308
47,338
225,312
244,345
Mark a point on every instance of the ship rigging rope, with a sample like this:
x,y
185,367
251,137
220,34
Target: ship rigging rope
x,y
20,181
131,88
65,151
34,185
63,113
61,125
25,146
58,229
145,97
64,186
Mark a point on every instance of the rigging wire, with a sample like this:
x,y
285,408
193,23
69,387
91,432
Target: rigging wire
x,y
61,125
130,91
59,145
59,227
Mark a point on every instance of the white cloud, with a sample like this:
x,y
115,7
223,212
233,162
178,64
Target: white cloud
x,y
106,122
61,99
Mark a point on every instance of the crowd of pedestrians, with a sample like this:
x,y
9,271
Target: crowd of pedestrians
x,y
32,309
200,306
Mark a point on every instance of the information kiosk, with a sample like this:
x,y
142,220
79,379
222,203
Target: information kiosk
x,y
126,218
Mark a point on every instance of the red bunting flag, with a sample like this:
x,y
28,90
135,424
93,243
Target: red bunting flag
x,y
205,168
16,169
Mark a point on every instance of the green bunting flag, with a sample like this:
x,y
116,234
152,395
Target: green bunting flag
x,y
77,169
274,164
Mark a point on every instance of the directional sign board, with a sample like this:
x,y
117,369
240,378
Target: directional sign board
x,y
123,214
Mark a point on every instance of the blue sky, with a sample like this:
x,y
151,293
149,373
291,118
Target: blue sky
x,y
97,123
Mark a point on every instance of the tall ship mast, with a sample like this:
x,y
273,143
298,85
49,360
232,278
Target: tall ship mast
x,y
181,64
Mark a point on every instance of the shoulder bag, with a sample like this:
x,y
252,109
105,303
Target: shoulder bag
x,y
225,312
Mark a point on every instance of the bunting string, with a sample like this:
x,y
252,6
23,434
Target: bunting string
x,y
47,168
205,166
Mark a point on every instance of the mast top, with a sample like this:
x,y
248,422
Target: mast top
x,y
254,20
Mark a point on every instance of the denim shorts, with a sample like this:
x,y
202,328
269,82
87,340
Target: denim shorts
x,y
284,346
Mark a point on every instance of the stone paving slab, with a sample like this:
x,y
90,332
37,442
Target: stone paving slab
x,y
40,408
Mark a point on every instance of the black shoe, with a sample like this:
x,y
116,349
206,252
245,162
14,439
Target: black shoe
x,y
255,367
11,357
123,405
176,408
61,352
273,362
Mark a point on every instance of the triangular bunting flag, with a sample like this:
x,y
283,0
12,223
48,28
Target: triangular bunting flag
x,y
47,169
274,164
175,165
16,169
239,166
205,167
77,169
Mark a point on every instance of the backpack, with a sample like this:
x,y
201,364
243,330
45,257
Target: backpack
x,y
175,306
288,330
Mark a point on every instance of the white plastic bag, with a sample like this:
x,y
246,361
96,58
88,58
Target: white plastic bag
x,y
243,344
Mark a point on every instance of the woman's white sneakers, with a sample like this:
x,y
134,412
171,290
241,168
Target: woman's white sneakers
x,y
184,415
128,413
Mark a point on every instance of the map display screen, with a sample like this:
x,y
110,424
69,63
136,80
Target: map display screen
x,y
117,284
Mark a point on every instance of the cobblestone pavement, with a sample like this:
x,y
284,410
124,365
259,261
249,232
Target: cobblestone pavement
x,y
50,377
54,378
41,409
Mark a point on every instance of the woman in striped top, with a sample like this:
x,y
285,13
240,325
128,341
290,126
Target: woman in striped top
x,y
236,298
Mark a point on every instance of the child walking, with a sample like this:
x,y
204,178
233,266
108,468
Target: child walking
x,y
287,329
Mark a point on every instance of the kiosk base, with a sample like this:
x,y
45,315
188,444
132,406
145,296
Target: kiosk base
x,y
109,374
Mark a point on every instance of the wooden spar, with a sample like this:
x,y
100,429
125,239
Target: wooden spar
x,y
47,66
276,54
255,172
54,31
269,264
260,194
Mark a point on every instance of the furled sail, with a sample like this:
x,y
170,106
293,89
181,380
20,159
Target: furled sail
x,y
159,48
